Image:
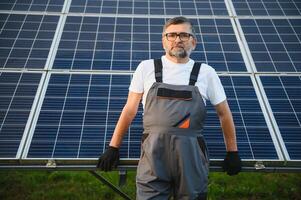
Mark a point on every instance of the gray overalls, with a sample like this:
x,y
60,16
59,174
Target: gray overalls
x,y
173,152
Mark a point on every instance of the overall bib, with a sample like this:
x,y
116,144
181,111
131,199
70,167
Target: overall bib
x,y
174,157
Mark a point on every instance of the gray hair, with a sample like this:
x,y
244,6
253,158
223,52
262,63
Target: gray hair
x,y
179,20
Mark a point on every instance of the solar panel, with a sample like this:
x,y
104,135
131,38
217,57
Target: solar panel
x,y
253,132
156,7
275,44
284,97
32,5
267,8
112,43
17,95
25,40
80,111
78,117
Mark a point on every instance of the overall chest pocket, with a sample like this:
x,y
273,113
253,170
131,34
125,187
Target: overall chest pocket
x,y
174,94
174,106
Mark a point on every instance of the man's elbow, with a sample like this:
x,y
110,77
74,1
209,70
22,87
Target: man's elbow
x,y
223,110
129,111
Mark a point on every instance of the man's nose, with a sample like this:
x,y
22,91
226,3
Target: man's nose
x,y
178,39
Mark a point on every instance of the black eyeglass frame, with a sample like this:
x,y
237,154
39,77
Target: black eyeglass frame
x,y
179,35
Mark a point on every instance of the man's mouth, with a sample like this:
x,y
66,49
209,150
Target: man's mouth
x,y
178,47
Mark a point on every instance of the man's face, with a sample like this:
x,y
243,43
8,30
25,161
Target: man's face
x,y
178,48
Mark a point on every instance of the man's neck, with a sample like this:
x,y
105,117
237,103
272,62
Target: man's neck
x,y
177,60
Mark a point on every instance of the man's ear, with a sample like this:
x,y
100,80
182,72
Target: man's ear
x,y
163,43
194,43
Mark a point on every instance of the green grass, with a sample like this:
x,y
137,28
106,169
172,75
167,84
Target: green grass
x,y
44,185
251,186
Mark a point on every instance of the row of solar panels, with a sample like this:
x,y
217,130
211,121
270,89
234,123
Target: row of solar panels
x,y
72,116
120,43
64,78
158,7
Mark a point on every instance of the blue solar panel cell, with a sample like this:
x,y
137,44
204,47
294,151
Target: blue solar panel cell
x,y
267,8
248,118
91,110
82,104
27,45
283,93
121,43
17,94
182,7
274,44
32,5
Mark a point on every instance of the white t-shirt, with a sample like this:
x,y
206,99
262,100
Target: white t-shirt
x,y
208,82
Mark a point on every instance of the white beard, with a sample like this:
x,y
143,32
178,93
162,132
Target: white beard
x,y
180,53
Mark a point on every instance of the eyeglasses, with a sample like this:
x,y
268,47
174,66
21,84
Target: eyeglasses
x,y
173,36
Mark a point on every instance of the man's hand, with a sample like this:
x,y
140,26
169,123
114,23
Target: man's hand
x,y
109,159
232,163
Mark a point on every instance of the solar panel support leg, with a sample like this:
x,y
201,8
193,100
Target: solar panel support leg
x,y
109,184
122,177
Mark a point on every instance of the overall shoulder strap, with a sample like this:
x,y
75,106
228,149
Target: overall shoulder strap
x,y
194,73
158,70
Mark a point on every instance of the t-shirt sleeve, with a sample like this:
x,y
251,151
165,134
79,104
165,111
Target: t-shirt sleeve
x,y
137,84
215,91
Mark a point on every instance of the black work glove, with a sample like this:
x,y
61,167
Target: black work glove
x,y
232,163
109,159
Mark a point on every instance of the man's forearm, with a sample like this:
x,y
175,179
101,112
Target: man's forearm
x,y
121,128
227,124
229,132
